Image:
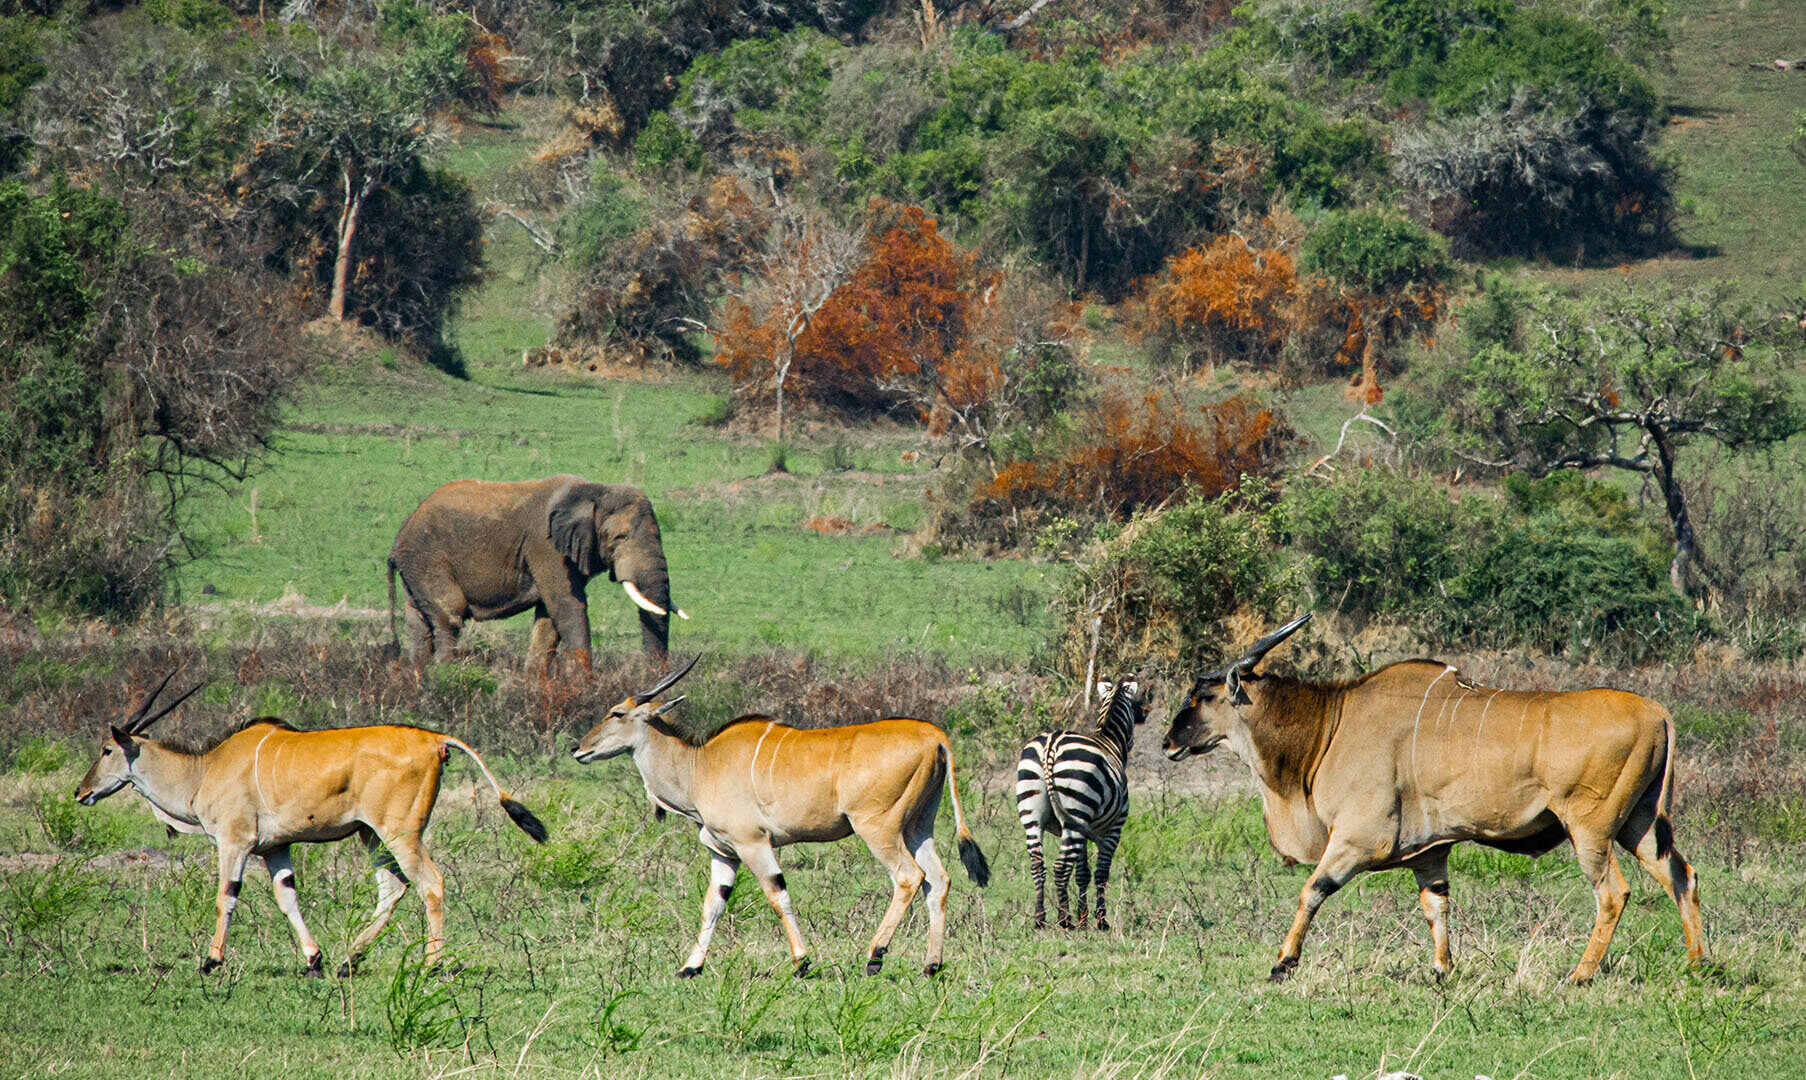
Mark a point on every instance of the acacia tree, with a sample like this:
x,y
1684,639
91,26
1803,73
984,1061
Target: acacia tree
x,y
1626,381
367,127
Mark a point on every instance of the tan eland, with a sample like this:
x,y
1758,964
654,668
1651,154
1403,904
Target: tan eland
x,y
757,785
267,786
1394,768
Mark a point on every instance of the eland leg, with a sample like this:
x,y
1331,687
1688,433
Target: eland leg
x,y
935,883
282,881
722,872
906,877
1340,862
763,862
391,886
1610,891
411,855
233,854
1432,872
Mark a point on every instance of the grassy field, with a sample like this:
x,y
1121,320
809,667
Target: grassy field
x,y
568,951
568,955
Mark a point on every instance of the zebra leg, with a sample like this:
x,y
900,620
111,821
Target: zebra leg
x,y
1084,869
1106,850
1037,869
1072,849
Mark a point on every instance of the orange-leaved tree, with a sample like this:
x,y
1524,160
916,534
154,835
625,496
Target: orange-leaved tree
x,y
1221,302
1138,452
889,329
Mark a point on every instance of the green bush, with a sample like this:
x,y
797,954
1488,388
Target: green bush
x,y
663,142
1571,570
1164,585
1375,252
607,215
1374,541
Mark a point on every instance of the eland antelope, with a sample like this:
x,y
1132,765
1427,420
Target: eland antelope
x,y
1394,768
757,785
267,786
1076,783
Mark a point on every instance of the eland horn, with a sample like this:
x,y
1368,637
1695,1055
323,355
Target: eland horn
x,y
131,724
1266,644
167,709
668,681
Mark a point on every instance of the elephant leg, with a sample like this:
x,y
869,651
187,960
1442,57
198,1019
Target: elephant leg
x,y
543,642
420,636
570,619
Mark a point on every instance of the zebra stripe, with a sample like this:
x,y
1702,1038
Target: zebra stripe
x,y
1074,783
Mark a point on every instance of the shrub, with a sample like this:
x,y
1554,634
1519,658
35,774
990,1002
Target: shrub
x,y
1375,252
1126,455
1554,585
1221,303
645,294
1163,586
132,367
1533,177
1374,541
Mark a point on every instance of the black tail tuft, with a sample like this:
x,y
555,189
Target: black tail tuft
x,y
523,817
974,860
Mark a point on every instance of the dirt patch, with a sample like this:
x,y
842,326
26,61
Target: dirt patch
x,y
834,525
134,860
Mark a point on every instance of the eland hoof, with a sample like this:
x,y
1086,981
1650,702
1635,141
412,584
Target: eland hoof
x,y
932,969
346,970
316,966
209,965
802,968
1281,970
688,972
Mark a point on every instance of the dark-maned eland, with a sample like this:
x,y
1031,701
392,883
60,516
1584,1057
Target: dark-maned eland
x,y
1394,768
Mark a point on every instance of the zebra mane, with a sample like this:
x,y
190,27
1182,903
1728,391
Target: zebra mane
x,y
1117,713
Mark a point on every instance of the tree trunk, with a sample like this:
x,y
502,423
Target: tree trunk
x,y
783,377
1686,543
341,267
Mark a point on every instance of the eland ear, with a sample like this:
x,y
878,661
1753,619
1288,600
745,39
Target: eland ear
x,y
122,737
1232,685
571,526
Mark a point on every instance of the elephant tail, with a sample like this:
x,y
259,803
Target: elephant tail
x,y
394,635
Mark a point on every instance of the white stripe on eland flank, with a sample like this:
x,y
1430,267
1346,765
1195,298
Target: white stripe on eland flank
x,y
1419,720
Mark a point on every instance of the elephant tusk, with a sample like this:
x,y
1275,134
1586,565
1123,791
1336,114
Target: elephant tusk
x,y
639,598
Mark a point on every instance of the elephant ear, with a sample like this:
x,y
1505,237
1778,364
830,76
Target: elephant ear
x,y
571,526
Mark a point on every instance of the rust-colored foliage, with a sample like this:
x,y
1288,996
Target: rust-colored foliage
x,y
1138,452
1224,301
898,333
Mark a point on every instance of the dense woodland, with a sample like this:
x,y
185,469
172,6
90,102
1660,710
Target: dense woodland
x,y
1078,251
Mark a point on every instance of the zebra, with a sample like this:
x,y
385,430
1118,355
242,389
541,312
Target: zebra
x,y
1074,782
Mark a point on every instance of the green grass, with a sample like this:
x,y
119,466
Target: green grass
x,y
569,955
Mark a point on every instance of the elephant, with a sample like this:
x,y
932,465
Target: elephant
x,y
480,549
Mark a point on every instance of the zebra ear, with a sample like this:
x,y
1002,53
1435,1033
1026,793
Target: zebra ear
x,y
1132,688
1104,689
